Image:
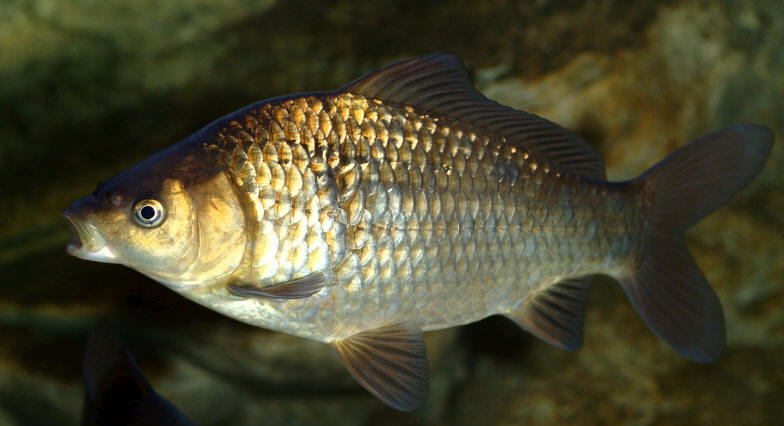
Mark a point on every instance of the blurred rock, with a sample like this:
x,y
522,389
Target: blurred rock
x,y
87,88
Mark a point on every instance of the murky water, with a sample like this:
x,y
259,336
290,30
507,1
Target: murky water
x,y
88,89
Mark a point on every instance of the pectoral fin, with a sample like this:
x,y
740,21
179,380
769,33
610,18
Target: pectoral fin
x,y
390,362
299,288
555,315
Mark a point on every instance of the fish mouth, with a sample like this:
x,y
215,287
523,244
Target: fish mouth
x,y
86,242
76,241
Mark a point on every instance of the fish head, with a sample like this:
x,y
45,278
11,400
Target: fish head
x,y
161,217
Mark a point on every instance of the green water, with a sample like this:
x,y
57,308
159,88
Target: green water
x,y
88,88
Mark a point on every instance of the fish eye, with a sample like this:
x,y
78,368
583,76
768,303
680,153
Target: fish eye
x,y
149,213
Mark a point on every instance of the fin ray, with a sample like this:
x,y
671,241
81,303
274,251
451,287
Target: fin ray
x,y
390,362
668,289
299,288
555,315
439,84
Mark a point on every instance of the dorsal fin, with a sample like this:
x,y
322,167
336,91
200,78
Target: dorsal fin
x,y
439,84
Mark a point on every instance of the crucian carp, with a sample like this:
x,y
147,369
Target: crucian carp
x,y
406,201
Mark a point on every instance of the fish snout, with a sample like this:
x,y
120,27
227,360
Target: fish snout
x,y
86,242
76,239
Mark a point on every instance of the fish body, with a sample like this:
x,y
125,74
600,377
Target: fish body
x,y
411,215
406,202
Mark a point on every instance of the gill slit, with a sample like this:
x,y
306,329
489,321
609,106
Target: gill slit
x,y
251,228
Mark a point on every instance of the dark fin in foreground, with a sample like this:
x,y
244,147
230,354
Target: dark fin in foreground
x,y
116,391
555,315
668,289
299,288
390,362
439,84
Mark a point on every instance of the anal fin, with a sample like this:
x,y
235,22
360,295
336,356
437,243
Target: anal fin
x,y
299,288
555,314
390,362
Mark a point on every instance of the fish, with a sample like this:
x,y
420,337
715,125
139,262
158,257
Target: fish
x,y
406,201
116,391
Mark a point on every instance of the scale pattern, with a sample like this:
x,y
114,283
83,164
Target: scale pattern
x,y
413,216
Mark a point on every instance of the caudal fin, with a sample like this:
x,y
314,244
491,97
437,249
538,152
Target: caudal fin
x,y
668,289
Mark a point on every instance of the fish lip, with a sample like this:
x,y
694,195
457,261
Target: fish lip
x,y
87,243
76,241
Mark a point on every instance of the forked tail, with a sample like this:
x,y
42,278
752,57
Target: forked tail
x,y
668,289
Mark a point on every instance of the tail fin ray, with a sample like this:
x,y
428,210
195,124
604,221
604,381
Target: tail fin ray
x,y
696,179
668,289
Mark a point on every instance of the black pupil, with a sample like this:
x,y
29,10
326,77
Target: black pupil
x,y
147,212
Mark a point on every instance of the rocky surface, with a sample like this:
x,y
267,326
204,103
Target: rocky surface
x,y
87,88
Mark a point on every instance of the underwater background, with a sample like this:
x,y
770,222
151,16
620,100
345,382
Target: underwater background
x,y
88,88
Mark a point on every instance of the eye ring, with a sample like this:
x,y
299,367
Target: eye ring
x,y
149,213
